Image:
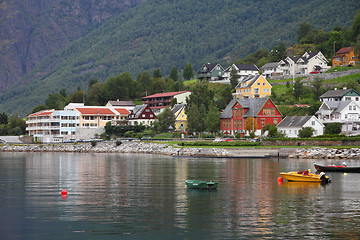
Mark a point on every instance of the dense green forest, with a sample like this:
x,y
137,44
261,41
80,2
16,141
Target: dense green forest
x,y
163,35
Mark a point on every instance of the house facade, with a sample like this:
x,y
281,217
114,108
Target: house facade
x,y
253,87
345,57
271,69
347,113
52,125
291,125
309,62
180,117
142,115
340,95
159,101
242,70
262,110
211,72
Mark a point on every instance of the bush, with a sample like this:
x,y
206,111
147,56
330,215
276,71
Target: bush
x,y
306,132
93,143
333,128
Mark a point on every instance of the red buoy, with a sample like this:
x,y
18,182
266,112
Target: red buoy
x,y
280,179
64,192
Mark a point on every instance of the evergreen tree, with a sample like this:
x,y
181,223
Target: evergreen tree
x,y
234,76
157,73
188,72
195,122
212,121
303,30
4,118
165,120
298,89
356,26
174,74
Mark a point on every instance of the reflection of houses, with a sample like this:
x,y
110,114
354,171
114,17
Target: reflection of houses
x,y
211,71
263,111
253,87
180,117
159,101
242,70
344,57
307,63
271,69
291,125
141,115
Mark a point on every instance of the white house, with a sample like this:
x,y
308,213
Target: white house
x,y
341,95
309,62
243,70
291,125
345,112
271,69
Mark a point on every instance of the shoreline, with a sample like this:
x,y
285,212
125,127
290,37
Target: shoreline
x,y
166,149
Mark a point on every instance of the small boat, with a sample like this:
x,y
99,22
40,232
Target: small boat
x,y
336,168
305,177
198,184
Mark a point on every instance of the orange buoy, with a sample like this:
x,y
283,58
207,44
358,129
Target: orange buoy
x,y
64,192
280,179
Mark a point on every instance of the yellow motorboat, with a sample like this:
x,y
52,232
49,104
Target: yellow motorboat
x,y
305,177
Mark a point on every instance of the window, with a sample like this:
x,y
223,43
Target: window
x,y
266,90
350,108
354,107
258,84
345,116
313,123
269,111
263,84
356,99
262,122
348,98
275,121
143,115
151,115
256,91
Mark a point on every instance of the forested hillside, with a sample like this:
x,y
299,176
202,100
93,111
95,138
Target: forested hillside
x,y
166,34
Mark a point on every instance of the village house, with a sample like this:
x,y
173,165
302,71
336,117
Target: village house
x,y
262,110
345,57
309,62
291,125
141,115
159,101
253,87
271,69
180,117
340,95
242,70
211,72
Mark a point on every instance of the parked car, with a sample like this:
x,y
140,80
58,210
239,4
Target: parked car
x,y
314,72
255,140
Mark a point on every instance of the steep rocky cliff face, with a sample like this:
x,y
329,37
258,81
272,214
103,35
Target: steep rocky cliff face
x,y
32,29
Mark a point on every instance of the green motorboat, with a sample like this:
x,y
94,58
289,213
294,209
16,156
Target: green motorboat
x,y
198,184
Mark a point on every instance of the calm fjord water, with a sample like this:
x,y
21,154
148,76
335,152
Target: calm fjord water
x,y
129,196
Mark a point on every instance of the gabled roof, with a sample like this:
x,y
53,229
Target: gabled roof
x,y
247,67
270,65
337,93
137,111
122,103
294,121
249,80
344,50
209,67
95,111
177,109
167,94
254,105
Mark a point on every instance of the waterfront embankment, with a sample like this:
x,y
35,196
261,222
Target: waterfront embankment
x,y
167,149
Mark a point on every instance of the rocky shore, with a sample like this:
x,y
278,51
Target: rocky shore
x,y
166,149
327,153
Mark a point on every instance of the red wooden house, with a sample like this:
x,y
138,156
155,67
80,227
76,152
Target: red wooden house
x,y
263,110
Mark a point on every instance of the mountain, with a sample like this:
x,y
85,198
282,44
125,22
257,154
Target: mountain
x,y
166,34
30,30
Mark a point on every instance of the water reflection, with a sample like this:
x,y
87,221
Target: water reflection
x,y
143,196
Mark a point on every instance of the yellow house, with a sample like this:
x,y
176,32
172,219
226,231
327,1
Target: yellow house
x,y
180,117
253,87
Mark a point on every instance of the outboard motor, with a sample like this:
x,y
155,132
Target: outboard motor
x,y
324,179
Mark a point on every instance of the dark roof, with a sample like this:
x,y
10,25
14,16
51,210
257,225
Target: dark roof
x,y
209,67
122,103
270,65
137,111
254,105
294,121
248,67
250,80
335,93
